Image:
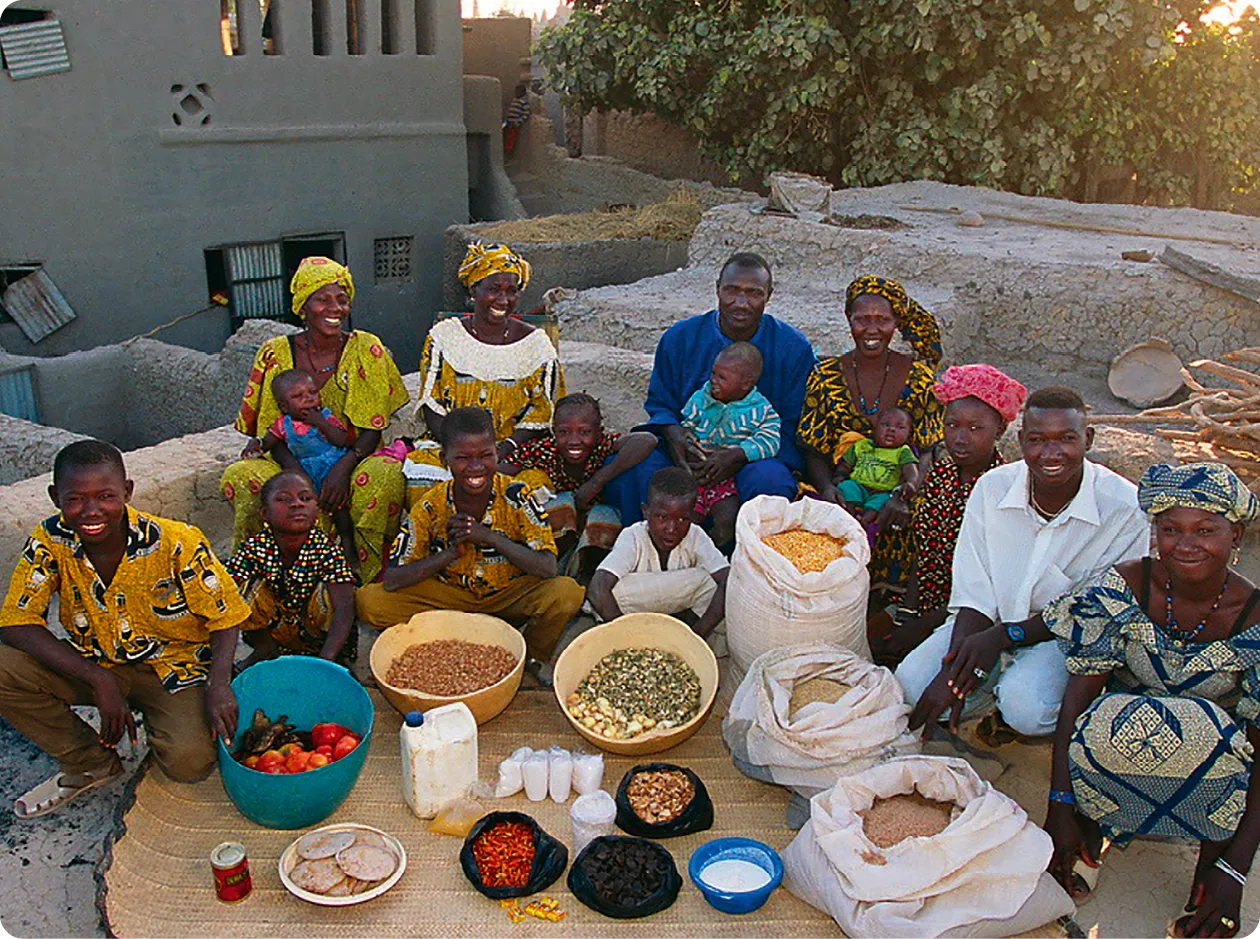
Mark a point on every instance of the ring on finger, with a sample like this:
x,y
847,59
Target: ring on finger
x,y
980,673
1228,923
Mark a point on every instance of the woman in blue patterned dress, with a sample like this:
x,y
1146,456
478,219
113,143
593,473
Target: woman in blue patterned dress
x,y
1159,720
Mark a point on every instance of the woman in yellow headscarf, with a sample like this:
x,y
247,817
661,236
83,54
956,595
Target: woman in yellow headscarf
x,y
488,359
359,382
844,393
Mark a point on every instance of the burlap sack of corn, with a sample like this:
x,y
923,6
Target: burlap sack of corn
x,y
982,876
805,715
770,603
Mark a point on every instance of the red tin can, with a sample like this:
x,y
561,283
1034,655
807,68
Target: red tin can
x,y
231,872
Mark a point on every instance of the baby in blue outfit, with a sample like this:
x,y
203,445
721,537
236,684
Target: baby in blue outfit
x,y
313,437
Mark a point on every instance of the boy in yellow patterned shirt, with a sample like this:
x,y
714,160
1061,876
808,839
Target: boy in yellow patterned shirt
x,y
151,620
478,544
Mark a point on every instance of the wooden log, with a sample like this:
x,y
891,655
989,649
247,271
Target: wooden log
x,y
1249,380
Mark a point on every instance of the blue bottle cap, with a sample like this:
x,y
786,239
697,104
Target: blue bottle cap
x,y
414,718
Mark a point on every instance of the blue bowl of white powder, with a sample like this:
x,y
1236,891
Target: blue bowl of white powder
x,y
736,875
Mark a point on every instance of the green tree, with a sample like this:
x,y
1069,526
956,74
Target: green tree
x,y
1023,95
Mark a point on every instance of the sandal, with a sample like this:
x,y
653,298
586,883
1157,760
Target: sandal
x,y
994,732
60,788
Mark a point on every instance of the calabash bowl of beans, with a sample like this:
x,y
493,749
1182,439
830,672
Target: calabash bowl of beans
x,y
443,656
641,665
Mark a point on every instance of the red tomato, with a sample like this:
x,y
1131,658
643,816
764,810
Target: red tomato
x,y
325,750
275,769
295,762
344,746
327,734
317,760
269,759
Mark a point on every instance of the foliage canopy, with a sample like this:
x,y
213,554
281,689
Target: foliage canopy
x,y
1029,96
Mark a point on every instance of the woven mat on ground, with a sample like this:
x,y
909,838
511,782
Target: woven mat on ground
x,y
159,881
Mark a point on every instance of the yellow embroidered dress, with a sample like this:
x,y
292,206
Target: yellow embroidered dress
x,y
168,595
364,390
517,383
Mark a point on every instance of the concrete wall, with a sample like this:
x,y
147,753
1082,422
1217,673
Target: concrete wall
x,y
569,264
140,393
491,194
647,143
1036,299
119,203
494,46
28,449
565,184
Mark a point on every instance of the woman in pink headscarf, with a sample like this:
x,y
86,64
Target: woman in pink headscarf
x,y
980,401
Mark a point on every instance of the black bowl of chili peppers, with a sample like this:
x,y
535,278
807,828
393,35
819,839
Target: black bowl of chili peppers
x,y
507,854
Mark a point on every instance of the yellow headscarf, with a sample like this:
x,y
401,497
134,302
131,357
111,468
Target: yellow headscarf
x,y
314,273
482,261
917,326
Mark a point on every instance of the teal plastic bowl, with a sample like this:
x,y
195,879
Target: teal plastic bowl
x,y
310,691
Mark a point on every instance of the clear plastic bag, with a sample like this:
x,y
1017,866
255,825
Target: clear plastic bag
x,y
457,817
536,774
511,777
560,773
588,772
592,814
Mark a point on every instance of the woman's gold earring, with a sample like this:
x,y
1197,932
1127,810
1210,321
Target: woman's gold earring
x,y
1155,553
1234,559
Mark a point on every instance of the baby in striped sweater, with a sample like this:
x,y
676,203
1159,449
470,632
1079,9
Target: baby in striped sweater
x,y
729,411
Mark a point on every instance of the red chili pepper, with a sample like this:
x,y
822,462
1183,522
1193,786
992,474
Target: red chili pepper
x,y
504,854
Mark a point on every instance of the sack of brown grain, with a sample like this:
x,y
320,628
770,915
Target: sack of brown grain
x,y
807,714
770,602
983,876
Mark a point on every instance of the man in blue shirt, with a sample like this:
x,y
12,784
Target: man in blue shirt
x,y
684,359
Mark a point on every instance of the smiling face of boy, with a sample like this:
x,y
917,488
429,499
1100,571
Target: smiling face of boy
x,y
93,501
472,460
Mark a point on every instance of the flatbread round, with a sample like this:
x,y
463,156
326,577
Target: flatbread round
x,y
342,888
322,844
317,876
371,839
364,862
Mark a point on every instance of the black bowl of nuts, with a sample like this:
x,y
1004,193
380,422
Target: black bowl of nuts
x,y
661,800
639,684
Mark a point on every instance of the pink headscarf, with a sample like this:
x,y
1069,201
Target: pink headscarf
x,y
995,388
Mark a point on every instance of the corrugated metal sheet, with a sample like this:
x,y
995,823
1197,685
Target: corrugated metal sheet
x,y
37,305
256,273
17,393
32,49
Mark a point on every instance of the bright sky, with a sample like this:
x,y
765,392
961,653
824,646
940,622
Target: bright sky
x,y
531,8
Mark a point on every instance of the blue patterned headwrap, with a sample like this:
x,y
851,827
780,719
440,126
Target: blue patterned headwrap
x,y
1212,487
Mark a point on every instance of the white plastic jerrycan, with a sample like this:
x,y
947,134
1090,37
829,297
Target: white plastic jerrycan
x,y
439,757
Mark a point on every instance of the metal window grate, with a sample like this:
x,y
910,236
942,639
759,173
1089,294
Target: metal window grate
x,y
256,275
31,49
393,259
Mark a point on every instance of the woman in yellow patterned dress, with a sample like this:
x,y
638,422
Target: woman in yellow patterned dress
x,y
844,392
359,382
488,359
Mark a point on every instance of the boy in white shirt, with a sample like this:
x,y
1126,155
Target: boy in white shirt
x,y
664,564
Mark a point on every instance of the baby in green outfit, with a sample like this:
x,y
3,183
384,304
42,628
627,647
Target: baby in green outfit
x,y
869,472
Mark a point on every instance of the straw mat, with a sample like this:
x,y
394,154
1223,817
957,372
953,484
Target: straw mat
x,y
159,882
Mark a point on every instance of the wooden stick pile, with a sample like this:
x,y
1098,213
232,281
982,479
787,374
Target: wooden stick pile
x,y
1214,423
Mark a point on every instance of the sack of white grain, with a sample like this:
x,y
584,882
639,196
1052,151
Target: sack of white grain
x,y
805,715
770,602
982,875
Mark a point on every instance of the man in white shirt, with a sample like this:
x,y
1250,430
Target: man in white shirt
x,y
665,563
1032,531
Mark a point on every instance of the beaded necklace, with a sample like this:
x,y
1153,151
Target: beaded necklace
x,y
1171,621
857,383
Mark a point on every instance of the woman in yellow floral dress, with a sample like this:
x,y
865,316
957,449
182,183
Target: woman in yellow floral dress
x,y
359,382
488,359
844,392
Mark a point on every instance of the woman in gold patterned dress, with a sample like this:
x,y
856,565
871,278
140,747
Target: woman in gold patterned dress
x,y
488,359
359,382
844,392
